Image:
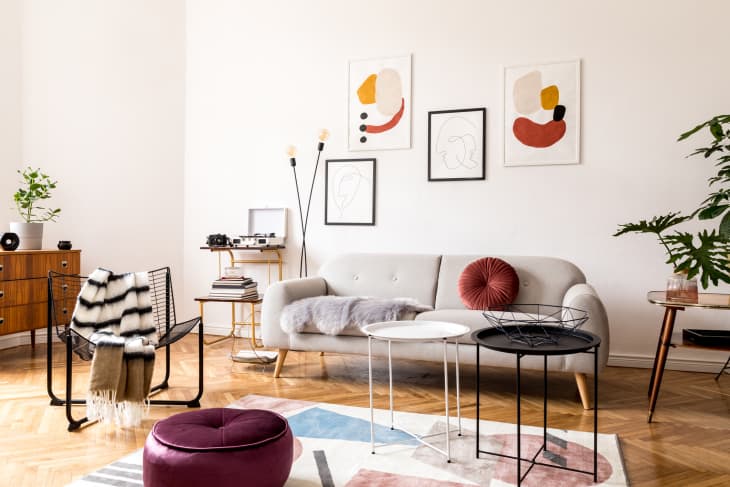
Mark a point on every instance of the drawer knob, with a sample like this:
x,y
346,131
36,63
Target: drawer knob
x,y
64,287
64,263
65,311
2,320
2,294
1,267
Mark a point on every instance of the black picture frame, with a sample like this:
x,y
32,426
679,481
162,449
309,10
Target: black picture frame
x,y
474,143
355,182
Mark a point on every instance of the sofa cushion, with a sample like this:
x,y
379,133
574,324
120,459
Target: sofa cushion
x,y
488,283
383,275
543,280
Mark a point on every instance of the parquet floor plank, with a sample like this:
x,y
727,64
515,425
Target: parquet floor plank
x,y
688,444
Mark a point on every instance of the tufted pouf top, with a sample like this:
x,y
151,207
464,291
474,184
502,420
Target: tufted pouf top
x,y
220,429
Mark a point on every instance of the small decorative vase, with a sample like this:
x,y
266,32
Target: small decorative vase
x,y
64,245
679,288
30,235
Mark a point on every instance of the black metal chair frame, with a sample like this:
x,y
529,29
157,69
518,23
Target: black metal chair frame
x,y
62,299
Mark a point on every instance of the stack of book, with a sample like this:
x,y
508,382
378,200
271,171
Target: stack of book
x,y
234,288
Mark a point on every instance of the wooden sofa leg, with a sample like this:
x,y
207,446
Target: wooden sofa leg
x,y
280,361
585,395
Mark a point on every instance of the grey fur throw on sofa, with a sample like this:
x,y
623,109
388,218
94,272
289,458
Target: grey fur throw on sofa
x,y
332,314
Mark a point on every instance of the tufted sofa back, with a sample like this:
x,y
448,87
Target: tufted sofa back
x,y
543,280
383,275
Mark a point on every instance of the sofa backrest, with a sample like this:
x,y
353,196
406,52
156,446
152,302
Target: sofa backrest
x,y
543,280
383,275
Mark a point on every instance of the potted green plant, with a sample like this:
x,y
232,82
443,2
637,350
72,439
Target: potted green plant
x,y
35,188
704,254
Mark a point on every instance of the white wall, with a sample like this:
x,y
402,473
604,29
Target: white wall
x,y
263,75
10,115
103,112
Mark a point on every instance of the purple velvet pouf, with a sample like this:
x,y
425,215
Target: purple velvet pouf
x,y
219,447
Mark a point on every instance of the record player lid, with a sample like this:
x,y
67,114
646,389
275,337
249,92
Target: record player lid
x,y
265,221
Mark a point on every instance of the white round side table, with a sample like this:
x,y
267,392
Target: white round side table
x,y
415,331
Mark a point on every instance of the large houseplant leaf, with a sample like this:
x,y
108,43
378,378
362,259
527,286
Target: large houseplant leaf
x,y
709,260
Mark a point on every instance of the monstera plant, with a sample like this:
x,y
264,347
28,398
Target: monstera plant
x,y
704,254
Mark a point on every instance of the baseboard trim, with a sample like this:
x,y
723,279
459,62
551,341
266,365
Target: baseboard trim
x,y
683,364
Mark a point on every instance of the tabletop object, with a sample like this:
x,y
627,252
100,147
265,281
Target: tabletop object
x,y
533,324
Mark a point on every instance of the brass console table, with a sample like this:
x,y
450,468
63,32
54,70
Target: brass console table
x,y
271,256
671,306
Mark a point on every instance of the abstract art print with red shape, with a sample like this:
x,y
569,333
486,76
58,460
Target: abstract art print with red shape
x,y
542,114
379,104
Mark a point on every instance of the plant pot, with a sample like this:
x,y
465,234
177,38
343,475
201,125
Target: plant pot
x,y
30,235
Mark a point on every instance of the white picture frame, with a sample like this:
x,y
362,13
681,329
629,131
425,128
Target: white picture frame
x,y
535,132
379,104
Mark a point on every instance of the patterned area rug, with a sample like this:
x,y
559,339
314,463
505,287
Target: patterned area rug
x,y
332,449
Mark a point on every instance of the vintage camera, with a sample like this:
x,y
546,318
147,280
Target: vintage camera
x,y
218,240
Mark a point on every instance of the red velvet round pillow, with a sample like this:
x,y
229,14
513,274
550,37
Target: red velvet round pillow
x,y
488,283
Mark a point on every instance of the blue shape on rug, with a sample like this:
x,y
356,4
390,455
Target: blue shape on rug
x,y
320,423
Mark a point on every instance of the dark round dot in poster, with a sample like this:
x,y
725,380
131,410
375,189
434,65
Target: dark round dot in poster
x,y
363,139
362,128
363,115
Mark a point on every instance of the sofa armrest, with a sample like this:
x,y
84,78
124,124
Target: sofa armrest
x,y
584,297
277,296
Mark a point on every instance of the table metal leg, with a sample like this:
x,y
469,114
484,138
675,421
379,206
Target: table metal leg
x,y
661,358
658,347
595,414
446,402
477,388
458,389
544,401
519,420
390,385
370,384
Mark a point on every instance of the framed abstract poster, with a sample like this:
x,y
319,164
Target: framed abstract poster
x,y
350,192
542,114
379,104
456,144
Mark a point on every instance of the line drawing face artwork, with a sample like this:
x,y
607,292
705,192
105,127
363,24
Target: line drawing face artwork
x,y
350,192
456,144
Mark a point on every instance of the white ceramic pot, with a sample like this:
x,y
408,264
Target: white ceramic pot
x,y
30,235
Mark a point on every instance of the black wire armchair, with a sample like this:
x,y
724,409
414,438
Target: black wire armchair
x,y
63,290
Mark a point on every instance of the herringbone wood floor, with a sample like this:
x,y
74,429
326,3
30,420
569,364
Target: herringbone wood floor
x,y
688,444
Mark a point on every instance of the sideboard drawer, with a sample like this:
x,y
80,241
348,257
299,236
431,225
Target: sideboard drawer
x,y
63,262
14,319
33,264
23,291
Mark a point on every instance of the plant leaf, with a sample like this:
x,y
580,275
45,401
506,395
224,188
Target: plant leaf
x,y
709,260
656,225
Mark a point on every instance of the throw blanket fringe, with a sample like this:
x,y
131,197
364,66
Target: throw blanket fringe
x,y
333,314
115,313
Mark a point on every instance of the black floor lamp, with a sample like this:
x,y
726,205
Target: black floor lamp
x,y
304,215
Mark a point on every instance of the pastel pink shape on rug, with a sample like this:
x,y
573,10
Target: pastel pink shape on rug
x,y
578,457
369,478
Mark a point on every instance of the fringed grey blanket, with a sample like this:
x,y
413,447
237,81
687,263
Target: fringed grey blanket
x,y
114,311
332,314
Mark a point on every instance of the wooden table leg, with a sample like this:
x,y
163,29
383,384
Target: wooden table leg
x,y
665,341
32,338
656,354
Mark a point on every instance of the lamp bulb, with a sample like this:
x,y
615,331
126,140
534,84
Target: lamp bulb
x,y
291,151
324,135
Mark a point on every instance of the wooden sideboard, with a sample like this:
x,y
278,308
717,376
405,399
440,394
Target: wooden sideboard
x,y
24,286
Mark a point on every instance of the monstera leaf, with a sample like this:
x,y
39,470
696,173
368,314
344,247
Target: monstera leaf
x,y
656,225
709,260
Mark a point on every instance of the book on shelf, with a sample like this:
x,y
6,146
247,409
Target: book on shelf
x,y
234,288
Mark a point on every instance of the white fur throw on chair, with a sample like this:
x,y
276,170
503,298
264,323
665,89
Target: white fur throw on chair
x,y
332,314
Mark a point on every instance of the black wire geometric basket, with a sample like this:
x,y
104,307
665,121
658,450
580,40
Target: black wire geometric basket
x,y
536,324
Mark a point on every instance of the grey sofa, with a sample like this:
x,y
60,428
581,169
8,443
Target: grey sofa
x,y
432,280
